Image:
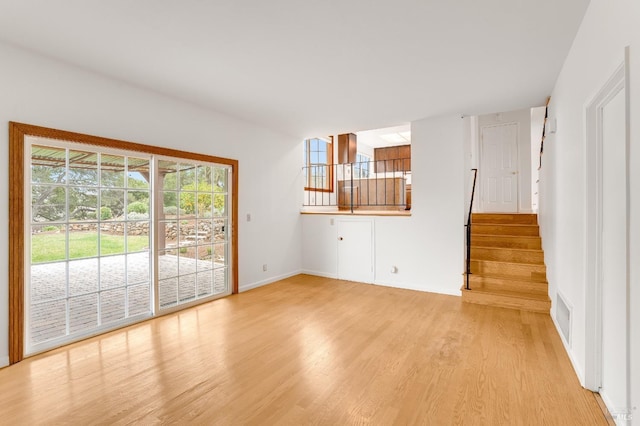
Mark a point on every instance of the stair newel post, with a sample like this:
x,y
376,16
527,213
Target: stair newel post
x,y
468,272
468,226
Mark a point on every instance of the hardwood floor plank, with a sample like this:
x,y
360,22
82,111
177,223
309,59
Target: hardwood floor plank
x,y
309,350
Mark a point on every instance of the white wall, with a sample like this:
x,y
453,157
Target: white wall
x,y
365,149
634,237
608,26
523,118
427,247
537,124
39,91
471,159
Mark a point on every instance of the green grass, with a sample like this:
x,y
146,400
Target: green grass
x,y
51,247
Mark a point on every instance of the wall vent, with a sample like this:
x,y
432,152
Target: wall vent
x,y
563,317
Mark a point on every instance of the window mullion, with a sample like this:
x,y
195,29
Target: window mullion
x,y
99,233
154,191
67,243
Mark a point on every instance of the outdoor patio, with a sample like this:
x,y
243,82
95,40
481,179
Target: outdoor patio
x,y
98,294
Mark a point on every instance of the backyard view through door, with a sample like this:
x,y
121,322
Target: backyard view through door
x,y
95,262
192,232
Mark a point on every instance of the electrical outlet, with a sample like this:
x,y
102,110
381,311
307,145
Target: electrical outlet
x,y
331,221
264,267
248,217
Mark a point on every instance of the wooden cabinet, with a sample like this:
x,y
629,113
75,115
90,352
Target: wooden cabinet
x,y
404,154
393,159
347,148
379,156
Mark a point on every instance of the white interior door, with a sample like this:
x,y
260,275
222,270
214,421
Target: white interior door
x,y
614,257
499,168
355,250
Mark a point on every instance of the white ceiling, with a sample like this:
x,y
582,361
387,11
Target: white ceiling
x,y
313,67
375,138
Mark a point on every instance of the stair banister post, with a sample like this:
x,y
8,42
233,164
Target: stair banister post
x,y
468,226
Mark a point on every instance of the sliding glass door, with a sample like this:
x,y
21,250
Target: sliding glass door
x,y
115,236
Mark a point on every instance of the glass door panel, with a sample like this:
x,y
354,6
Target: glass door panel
x,y
194,208
90,265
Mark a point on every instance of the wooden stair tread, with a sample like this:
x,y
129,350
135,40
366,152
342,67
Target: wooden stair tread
x,y
507,263
524,218
517,270
526,288
501,300
503,214
515,237
518,284
504,224
513,281
509,248
505,229
513,294
506,277
508,254
506,241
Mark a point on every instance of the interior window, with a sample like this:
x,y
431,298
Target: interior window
x,y
361,168
318,154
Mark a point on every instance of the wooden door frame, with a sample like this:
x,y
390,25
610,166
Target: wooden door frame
x,y
17,134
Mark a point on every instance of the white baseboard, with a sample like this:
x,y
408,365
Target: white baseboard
x,y
270,280
579,372
438,290
319,274
621,418
4,361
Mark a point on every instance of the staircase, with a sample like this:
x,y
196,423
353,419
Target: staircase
x,y
507,263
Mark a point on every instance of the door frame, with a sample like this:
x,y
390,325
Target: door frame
x,y
481,164
594,226
17,134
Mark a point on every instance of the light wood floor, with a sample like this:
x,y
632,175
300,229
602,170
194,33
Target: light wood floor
x,y
310,350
